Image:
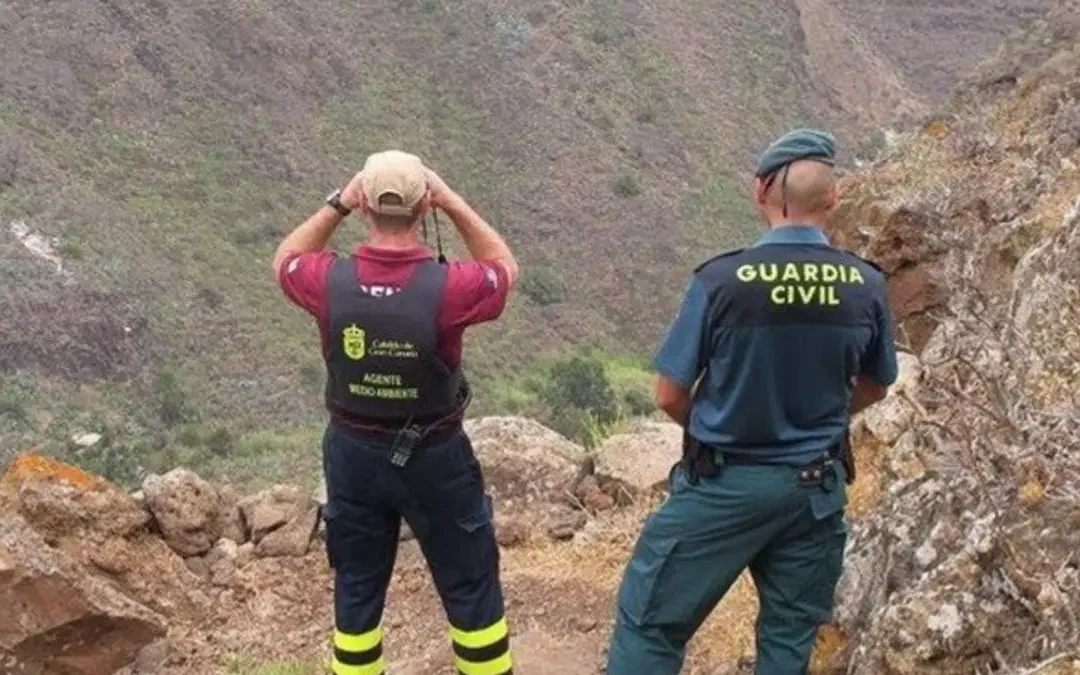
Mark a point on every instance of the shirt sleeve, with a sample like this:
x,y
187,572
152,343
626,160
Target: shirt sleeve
x,y
879,361
303,279
679,357
476,291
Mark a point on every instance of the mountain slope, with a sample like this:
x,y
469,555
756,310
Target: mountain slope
x,y
160,151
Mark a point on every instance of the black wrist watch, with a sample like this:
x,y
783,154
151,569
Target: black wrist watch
x,y
334,200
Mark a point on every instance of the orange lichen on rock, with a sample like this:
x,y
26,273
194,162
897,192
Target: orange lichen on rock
x,y
866,494
937,129
1032,493
33,467
830,649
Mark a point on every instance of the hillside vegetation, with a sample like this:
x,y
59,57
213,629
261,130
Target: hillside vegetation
x,y
152,154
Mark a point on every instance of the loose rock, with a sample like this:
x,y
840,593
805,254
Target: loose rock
x,y
186,509
564,527
291,540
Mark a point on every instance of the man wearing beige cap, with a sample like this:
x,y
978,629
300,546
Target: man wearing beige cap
x,y
392,319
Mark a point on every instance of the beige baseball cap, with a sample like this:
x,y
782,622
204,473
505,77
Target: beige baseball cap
x,y
394,174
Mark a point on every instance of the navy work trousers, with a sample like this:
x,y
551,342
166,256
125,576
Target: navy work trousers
x,y
788,531
440,493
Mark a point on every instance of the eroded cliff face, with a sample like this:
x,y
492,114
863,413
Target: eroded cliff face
x,y
970,564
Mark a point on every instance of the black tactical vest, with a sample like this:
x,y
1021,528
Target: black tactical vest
x,y
382,359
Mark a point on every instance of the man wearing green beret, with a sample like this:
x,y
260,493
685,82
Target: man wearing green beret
x,y
773,349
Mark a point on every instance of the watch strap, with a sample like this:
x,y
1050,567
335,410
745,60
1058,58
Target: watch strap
x,y
334,200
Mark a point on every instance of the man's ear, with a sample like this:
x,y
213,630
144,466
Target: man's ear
x,y
760,194
833,197
365,208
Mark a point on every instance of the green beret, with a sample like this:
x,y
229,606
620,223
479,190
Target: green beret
x,y
793,146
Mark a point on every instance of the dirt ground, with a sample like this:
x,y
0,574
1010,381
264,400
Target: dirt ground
x,y
559,606
559,598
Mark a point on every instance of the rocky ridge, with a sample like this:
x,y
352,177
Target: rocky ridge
x,y
968,564
144,581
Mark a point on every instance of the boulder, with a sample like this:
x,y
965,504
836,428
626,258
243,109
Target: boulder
x,y
291,540
642,458
61,500
57,617
102,527
273,508
526,466
186,509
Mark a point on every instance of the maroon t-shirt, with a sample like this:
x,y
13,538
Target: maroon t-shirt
x,y
476,291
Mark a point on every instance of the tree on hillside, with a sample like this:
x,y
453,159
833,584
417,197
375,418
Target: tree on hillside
x,y
579,394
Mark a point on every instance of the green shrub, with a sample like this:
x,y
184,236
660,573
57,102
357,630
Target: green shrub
x,y
189,436
646,115
581,382
171,401
123,463
71,251
578,396
311,374
221,441
543,285
13,413
626,185
638,403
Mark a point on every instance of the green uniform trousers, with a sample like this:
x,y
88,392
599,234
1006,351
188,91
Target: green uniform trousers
x,y
790,532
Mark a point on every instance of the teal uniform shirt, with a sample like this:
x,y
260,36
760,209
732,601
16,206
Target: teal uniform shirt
x,y
777,334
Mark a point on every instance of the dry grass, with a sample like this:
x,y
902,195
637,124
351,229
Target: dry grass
x,y
599,561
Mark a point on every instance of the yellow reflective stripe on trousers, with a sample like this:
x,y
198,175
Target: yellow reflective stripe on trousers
x,y
499,666
358,643
478,639
377,668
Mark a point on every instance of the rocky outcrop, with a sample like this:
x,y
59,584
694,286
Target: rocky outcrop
x,y
59,619
102,527
642,457
94,575
968,564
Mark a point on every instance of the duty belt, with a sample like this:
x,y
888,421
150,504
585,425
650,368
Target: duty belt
x,y
703,460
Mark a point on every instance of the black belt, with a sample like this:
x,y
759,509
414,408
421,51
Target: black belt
x,y
701,459
433,435
725,457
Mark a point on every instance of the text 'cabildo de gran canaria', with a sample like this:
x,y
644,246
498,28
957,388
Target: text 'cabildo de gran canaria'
x,y
801,283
